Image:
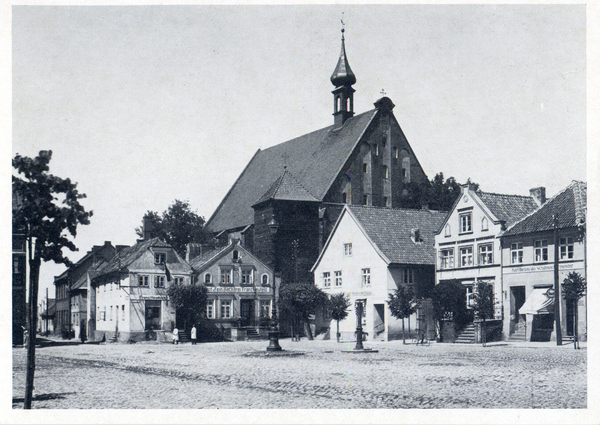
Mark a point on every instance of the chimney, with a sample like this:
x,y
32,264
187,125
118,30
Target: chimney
x,y
148,228
538,194
192,250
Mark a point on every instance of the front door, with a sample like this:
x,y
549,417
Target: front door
x,y
152,315
379,321
517,299
247,312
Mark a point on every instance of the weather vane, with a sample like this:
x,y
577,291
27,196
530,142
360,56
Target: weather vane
x,y
383,92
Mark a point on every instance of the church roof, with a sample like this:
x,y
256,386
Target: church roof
x,y
508,208
287,188
314,159
569,206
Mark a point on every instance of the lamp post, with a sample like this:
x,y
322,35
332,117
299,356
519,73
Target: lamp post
x,y
273,325
359,330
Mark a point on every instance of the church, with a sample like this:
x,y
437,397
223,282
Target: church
x,y
285,202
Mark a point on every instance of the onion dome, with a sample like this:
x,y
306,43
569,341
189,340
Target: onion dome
x,y
343,75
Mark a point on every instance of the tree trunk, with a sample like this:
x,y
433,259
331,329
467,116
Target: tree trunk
x,y
34,274
575,326
403,335
337,333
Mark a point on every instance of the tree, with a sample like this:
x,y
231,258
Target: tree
x,y
46,211
449,302
189,302
402,304
338,306
574,288
299,301
177,226
437,194
483,304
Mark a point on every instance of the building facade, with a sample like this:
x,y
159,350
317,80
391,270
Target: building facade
x,y
468,243
528,264
129,300
370,253
241,290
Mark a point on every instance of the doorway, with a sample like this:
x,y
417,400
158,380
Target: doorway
x,y
378,320
517,299
152,315
247,312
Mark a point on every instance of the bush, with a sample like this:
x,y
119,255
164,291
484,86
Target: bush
x,y
449,300
207,331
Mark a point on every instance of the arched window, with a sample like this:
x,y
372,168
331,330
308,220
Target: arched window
x,y
207,278
264,279
236,254
406,168
447,230
484,224
338,103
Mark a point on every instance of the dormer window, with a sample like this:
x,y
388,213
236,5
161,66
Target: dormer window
x,y
160,258
235,255
265,279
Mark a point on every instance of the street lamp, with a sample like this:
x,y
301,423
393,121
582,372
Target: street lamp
x,y
359,330
273,325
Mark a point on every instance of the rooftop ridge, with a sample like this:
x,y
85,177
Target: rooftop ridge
x,y
503,194
396,209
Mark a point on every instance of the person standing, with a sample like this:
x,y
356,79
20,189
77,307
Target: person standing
x,y
193,335
175,336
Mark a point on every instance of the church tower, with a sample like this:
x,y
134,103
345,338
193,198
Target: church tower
x,y
343,78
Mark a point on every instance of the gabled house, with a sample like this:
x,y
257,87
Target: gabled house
x,y
71,292
46,316
129,292
468,245
361,159
241,289
528,261
370,253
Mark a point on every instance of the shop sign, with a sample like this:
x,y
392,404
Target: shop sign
x,y
153,297
544,268
249,289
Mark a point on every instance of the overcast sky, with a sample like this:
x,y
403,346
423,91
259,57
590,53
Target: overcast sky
x,y
143,105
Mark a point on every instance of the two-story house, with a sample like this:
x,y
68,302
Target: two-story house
x,y
241,289
528,257
129,293
370,253
467,244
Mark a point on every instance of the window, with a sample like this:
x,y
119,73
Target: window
x,y
226,276
111,313
348,249
447,230
236,255
376,149
486,254
516,253
265,279
247,277
484,224
16,268
123,312
365,167
466,256
566,248
159,281
326,279
178,280
226,309
408,276
465,222
160,258
447,258
207,278
386,172
385,201
366,277
210,309
396,152
338,278
406,168
540,250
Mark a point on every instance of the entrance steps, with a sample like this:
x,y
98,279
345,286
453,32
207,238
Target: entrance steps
x,y
467,335
252,333
184,337
519,334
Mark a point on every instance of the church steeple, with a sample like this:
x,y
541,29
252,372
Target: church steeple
x,y
343,78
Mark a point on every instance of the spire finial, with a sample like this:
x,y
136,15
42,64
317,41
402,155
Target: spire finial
x,y
343,24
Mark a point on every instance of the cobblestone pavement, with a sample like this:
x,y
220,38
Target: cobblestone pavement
x,y
310,374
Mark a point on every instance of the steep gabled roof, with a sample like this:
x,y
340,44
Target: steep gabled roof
x,y
569,206
202,262
128,255
314,159
508,208
286,188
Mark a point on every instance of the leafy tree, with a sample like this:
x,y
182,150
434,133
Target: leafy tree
x,y
402,304
437,194
574,288
46,210
483,304
299,300
189,301
177,226
338,306
449,302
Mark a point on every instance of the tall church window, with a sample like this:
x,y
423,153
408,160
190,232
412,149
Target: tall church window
x,y
406,169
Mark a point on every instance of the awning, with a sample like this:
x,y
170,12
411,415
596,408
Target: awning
x,y
538,302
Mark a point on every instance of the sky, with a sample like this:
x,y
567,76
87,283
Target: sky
x,y
142,105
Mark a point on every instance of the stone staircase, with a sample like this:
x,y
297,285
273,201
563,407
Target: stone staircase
x,y
184,337
467,335
252,333
520,335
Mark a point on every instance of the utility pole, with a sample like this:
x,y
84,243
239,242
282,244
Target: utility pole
x,y
556,284
46,311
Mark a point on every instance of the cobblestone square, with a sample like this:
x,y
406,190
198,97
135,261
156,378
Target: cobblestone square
x,y
309,375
